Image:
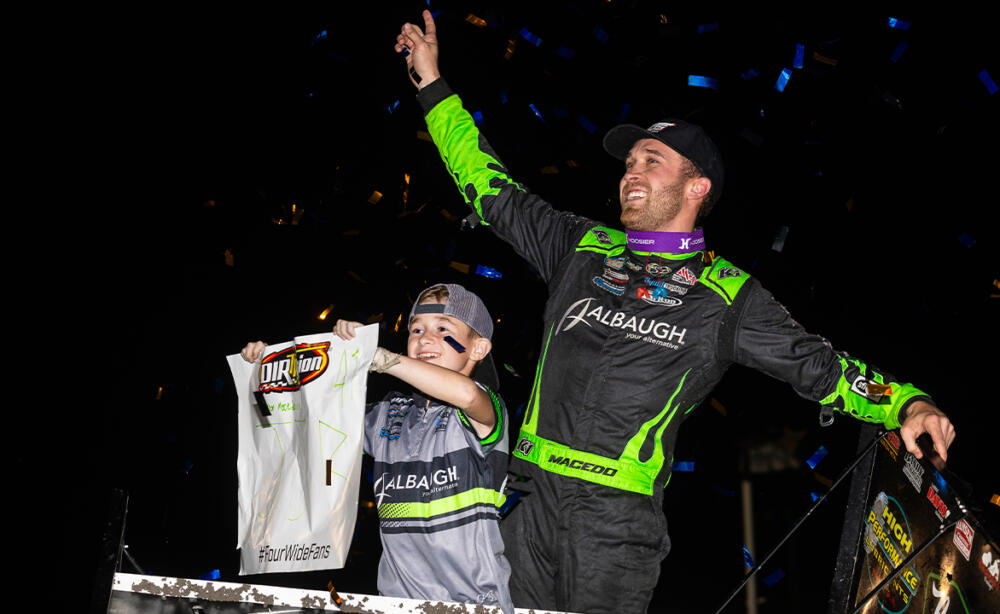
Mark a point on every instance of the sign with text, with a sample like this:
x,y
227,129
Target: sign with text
x,y
301,426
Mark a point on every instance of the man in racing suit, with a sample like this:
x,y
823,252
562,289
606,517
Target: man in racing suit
x,y
639,327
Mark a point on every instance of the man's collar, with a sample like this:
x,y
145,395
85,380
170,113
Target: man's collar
x,y
673,243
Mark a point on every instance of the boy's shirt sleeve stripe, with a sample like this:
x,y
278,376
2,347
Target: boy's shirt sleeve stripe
x,y
498,425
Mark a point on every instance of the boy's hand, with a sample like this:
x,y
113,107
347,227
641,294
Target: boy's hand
x,y
345,328
422,51
252,351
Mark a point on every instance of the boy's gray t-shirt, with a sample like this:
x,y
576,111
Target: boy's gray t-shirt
x,y
438,488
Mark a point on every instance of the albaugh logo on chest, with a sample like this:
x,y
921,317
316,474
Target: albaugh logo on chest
x,y
647,330
290,369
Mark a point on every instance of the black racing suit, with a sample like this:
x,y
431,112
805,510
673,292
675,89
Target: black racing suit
x,y
633,342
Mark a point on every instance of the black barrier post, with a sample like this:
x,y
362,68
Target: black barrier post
x,y
798,523
110,556
847,556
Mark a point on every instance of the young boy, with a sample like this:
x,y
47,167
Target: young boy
x,y
440,455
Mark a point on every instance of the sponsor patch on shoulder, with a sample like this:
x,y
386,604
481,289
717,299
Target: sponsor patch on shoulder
x,y
602,236
729,272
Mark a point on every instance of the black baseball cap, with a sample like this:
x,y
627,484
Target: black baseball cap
x,y
687,139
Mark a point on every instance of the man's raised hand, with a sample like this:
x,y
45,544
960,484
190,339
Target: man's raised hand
x,y
421,48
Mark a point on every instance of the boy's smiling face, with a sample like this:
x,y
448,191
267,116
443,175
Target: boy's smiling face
x,y
426,341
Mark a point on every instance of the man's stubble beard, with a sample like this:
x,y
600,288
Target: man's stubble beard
x,y
661,207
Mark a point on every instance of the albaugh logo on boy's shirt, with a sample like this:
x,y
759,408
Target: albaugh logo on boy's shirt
x,y
441,479
290,369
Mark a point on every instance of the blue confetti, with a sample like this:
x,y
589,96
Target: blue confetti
x,y
477,117
800,54
565,52
535,111
749,74
815,496
560,112
699,81
624,113
490,272
600,34
503,96
747,558
531,38
319,37
772,579
520,410
783,78
188,465
898,24
966,239
212,575
708,27
817,456
991,86
588,125
682,465
898,52
392,107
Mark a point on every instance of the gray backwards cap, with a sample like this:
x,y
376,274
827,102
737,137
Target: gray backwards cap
x,y
468,308
461,304
687,139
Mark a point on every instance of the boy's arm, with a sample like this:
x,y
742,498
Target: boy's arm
x,y
451,387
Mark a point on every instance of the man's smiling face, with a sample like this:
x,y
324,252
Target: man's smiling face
x,y
652,187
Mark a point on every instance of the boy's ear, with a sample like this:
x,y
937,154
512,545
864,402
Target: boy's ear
x,y
480,348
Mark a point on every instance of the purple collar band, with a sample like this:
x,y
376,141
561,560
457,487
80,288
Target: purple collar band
x,y
666,242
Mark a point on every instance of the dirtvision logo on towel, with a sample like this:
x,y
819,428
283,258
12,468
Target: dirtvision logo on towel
x,y
291,368
300,426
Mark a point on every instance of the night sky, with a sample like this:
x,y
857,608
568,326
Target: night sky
x,y
262,134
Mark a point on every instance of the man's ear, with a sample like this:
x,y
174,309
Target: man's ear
x,y
480,348
699,187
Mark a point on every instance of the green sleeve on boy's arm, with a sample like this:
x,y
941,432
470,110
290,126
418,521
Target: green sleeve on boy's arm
x,y
871,396
498,414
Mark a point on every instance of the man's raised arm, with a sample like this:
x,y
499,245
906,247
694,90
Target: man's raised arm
x,y
537,232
